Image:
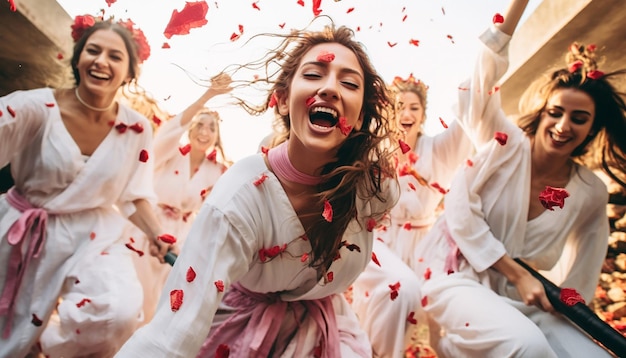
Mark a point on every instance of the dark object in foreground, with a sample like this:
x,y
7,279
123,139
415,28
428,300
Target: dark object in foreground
x,y
170,258
582,316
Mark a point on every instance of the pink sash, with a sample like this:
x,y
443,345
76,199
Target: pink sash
x,y
252,330
30,227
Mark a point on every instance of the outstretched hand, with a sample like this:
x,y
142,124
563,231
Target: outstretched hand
x,y
220,84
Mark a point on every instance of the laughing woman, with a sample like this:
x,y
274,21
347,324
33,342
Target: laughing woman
x,y
282,236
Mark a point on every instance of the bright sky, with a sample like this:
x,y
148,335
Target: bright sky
x,y
439,61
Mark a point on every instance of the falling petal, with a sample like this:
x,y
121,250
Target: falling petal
x,y
191,274
184,150
219,284
193,15
143,156
498,18
403,146
176,299
167,238
328,211
375,259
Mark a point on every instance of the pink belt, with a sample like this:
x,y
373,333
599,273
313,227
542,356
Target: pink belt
x,y
30,227
174,213
252,330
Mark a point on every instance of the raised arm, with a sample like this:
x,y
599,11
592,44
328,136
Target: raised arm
x,y
512,15
220,84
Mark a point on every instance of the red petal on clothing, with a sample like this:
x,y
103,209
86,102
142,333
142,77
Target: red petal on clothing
x,y
223,351
343,126
466,324
470,163
273,100
501,137
391,44
193,15
165,45
403,146
304,257
427,273
176,172
49,105
395,286
411,318
414,42
132,248
375,259
424,301
309,101
407,226
316,7
92,235
595,74
570,296
121,127
83,302
260,180
176,299
349,10
212,157
326,56
329,277
220,285
413,157
185,149
412,186
443,123
191,274
11,111
328,211
498,19
551,197
255,6
371,224
143,156
36,321
167,238
156,120
60,56
266,254
137,127
264,149
439,188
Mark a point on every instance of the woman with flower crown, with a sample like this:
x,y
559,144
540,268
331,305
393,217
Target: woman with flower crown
x,y
388,289
82,164
184,175
285,232
529,195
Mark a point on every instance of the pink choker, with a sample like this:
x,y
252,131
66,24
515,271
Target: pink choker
x,y
281,165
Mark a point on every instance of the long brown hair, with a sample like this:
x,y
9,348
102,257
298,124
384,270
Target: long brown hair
x,y
364,159
605,146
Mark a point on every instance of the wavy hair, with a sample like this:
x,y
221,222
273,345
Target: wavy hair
x,y
605,146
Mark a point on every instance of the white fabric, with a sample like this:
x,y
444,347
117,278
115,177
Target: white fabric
x,y
176,187
79,195
236,221
486,215
384,320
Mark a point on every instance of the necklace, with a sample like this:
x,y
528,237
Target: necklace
x,y
90,106
279,160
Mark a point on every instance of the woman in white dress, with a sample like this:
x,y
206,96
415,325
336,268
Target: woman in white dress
x,y
397,323
282,235
189,158
82,164
526,196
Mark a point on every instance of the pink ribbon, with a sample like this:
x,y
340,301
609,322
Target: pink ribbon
x,y
252,330
30,227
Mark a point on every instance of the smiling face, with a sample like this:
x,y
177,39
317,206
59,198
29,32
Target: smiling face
x,y
321,92
410,115
565,122
103,64
203,132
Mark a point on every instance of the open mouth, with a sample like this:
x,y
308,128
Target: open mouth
x,y
323,117
559,139
99,75
407,126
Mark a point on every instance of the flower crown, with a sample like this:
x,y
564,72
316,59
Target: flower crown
x,y
83,22
581,59
410,82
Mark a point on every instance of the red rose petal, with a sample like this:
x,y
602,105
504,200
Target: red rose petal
x,y
219,284
330,276
427,273
212,156
167,238
121,127
375,259
193,15
443,123
570,297
325,56
414,42
191,274
176,299
223,351
498,19
328,211
343,126
260,180
83,302
143,156
185,149
316,7
36,321
309,101
165,45
11,111
371,224
137,127
411,318
501,137
403,146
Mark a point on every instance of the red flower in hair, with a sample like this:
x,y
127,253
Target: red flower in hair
x,y
81,23
595,74
575,66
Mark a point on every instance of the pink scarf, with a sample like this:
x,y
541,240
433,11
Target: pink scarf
x,y
252,330
281,165
30,227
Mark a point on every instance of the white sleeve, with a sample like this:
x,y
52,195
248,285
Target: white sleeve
x,y
167,141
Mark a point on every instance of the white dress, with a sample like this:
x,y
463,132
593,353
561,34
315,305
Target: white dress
x,y
486,216
238,222
180,196
83,260
386,320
